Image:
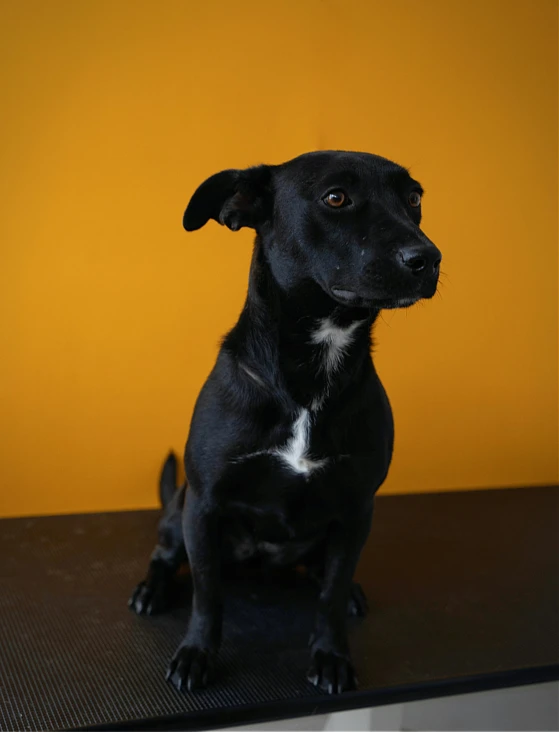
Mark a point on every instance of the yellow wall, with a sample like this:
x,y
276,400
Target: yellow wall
x,y
114,111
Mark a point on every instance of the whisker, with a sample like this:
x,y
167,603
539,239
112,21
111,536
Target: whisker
x,y
384,319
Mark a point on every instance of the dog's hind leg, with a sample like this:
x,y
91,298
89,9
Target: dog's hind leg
x,y
153,595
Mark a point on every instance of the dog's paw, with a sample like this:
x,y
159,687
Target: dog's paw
x,y
357,604
149,598
190,668
331,672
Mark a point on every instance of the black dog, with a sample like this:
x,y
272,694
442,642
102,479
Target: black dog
x,y
292,433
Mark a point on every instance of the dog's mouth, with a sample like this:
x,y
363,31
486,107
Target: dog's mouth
x,y
351,299
348,297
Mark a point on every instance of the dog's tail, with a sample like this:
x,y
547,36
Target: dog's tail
x,y
168,480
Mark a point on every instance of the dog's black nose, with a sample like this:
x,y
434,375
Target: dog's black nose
x,y
421,260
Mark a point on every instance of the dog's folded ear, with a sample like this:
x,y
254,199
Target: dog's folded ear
x,y
234,198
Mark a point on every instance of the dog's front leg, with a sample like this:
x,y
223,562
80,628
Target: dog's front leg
x,y
331,666
193,661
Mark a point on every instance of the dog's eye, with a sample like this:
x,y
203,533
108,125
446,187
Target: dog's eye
x,y
336,199
414,199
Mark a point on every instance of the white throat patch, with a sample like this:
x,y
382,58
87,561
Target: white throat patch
x,y
336,341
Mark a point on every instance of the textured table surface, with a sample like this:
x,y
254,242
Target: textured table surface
x,y
463,590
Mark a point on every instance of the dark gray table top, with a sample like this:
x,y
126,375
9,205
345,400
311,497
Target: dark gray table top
x,y
463,590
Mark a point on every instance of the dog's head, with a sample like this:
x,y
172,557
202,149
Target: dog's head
x,y
348,221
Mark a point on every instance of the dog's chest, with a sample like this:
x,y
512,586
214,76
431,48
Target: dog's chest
x,y
328,344
282,494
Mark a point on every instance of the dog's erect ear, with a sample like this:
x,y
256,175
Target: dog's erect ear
x,y
234,198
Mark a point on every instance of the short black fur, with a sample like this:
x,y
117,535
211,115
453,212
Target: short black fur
x,y
292,434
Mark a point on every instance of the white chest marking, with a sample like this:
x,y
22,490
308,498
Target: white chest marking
x,y
336,341
294,452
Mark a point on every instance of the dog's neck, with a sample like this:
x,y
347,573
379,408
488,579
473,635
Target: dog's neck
x,y
298,341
